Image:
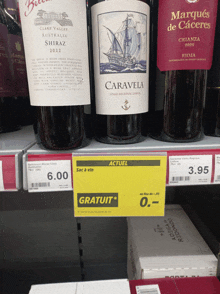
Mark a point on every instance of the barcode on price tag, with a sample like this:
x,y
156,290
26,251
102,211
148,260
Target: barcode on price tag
x,y
148,289
53,175
179,179
190,170
217,169
1,178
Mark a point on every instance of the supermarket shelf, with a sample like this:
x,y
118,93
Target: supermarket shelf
x,y
12,147
147,145
154,145
208,146
13,142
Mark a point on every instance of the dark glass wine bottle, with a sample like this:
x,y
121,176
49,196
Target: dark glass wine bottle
x,y
184,53
157,78
153,52
183,105
8,101
119,122
24,110
56,50
212,102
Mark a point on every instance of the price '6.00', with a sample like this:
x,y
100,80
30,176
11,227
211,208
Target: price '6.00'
x,y
58,176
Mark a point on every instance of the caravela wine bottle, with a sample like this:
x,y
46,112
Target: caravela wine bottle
x,y
56,50
212,102
184,53
8,101
120,32
16,48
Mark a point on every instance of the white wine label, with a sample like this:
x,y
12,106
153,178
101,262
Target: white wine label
x,y
121,56
217,169
190,170
1,178
56,50
53,175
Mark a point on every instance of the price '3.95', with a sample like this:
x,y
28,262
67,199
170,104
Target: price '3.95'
x,y
199,170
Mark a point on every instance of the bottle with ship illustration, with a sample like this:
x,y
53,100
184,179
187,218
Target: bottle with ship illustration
x,y
120,36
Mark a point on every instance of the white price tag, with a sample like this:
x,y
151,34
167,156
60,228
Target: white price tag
x,y
190,170
1,178
217,169
54,175
148,289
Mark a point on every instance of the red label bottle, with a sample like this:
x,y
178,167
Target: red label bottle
x,y
16,49
8,101
184,52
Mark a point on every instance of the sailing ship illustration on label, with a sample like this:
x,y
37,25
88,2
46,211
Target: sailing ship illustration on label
x,y
122,42
46,18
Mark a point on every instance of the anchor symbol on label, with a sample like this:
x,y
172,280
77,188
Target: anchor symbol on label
x,y
125,106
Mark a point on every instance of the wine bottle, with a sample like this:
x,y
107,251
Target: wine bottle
x,y
153,52
56,50
157,78
8,101
24,110
212,102
184,53
12,8
120,31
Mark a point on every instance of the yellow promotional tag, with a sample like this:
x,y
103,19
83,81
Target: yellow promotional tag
x,y
119,185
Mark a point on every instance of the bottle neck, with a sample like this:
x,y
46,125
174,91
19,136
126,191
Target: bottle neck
x,y
2,16
11,7
2,4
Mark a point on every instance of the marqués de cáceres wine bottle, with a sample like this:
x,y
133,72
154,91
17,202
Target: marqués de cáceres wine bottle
x,y
120,31
56,50
186,32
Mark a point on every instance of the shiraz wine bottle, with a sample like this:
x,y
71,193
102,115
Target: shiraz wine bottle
x,y
56,49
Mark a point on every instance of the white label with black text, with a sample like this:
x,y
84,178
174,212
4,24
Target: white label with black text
x,y
190,170
1,178
56,50
54,175
121,56
217,169
148,289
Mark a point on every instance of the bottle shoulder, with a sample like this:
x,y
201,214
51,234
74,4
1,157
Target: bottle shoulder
x,y
149,2
13,26
2,17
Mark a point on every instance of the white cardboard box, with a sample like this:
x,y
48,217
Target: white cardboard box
x,y
167,246
94,287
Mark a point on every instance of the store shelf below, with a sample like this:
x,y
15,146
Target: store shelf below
x,y
12,146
